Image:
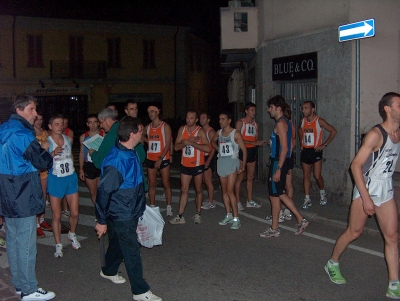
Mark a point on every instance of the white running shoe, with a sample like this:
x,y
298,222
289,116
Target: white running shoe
x,y
147,296
169,210
40,294
59,251
252,204
323,200
307,203
240,206
74,241
117,279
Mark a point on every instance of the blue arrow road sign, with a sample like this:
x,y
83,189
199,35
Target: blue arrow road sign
x,y
358,30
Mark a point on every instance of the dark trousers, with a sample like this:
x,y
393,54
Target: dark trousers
x,y
123,245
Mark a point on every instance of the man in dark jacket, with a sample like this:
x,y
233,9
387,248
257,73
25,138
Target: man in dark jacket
x,y
21,158
119,204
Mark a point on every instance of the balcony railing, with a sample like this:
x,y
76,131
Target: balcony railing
x,y
77,69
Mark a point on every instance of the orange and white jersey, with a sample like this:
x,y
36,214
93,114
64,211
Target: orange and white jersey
x,y
209,140
312,133
249,132
191,157
156,142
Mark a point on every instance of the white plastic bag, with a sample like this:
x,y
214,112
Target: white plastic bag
x,y
150,227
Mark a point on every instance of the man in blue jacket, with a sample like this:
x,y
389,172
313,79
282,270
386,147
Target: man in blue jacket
x,y
21,158
119,204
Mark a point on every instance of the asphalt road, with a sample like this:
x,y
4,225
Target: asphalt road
x,y
212,262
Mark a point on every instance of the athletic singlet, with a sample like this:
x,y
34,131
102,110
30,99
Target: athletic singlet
x,y
312,133
381,164
66,132
227,147
191,157
248,132
86,155
63,164
276,147
42,137
209,141
156,142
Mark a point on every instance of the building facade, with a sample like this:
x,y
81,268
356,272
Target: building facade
x,y
75,67
298,55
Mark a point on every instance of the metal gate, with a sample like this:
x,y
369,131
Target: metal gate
x,y
295,93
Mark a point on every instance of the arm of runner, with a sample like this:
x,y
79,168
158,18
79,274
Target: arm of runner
x,y
204,147
281,131
240,142
372,141
332,133
81,158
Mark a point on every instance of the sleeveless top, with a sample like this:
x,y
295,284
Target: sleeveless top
x,y
191,157
248,132
381,164
42,137
156,142
86,155
312,133
276,147
209,141
63,164
227,147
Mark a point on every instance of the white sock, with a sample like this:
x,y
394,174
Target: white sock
x,y
236,219
322,192
41,220
229,215
37,226
307,197
333,262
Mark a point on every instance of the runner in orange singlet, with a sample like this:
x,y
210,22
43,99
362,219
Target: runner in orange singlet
x,y
249,130
311,136
158,137
192,140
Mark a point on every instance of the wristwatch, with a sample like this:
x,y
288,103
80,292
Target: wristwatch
x,y
279,168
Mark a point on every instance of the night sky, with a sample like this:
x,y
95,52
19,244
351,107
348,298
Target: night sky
x,y
201,15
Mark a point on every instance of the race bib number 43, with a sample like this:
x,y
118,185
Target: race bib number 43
x,y
225,149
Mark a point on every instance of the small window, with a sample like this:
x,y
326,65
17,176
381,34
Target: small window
x,y
241,23
149,54
35,50
114,53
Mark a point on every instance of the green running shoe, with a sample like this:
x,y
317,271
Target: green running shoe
x,y
333,271
393,293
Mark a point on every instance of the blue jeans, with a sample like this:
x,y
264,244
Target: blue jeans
x,y
21,252
123,245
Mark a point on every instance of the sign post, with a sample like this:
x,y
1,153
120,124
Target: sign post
x,y
356,31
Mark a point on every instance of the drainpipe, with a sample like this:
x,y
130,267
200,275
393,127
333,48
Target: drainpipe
x,y
13,48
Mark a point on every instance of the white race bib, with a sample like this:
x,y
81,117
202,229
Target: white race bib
x,y
309,139
225,149
63,168
188,151
154,147
250,130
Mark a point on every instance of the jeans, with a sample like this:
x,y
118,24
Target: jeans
x,y
21,252
123,245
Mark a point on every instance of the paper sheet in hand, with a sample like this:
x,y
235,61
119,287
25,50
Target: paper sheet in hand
x,y
94,142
